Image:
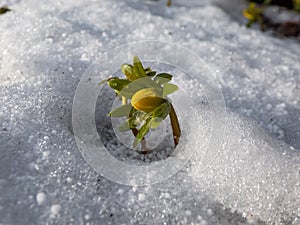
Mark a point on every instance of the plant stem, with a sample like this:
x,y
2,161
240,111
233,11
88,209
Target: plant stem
x,y
175,125
143,141
124,100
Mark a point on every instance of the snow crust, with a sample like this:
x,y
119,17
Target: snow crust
x,y
47,46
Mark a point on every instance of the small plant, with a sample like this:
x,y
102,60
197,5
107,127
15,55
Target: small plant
x,y
169,2
254,13
149,103
4,9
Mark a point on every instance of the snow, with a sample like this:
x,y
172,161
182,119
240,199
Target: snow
x,y
253,174
41,198
55,209
46,49
141,197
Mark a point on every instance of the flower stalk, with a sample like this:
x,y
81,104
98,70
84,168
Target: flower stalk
x,y
175,125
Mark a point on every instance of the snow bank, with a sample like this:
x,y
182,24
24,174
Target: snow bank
x,y
253,174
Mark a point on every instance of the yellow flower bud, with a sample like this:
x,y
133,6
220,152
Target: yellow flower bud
x,y
248,15
146,100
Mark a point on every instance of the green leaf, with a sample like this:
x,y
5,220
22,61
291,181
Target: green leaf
x,y
151,73
138,67
122,111
159,114
162,111
155,122
163,78
169,89
124,126
142,132
132,118
106,80
129,72
118,84
129,90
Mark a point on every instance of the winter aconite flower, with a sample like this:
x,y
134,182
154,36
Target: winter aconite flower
x,y
147,100
149,104
254,13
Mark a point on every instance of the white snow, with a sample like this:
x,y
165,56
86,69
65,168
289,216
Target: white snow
x,y
253,173
141,197
209,212
41,198
46,46
55,209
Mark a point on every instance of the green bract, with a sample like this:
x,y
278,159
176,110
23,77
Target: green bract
x,y
149,105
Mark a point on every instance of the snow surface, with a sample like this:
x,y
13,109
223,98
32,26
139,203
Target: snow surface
x,y
47,46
